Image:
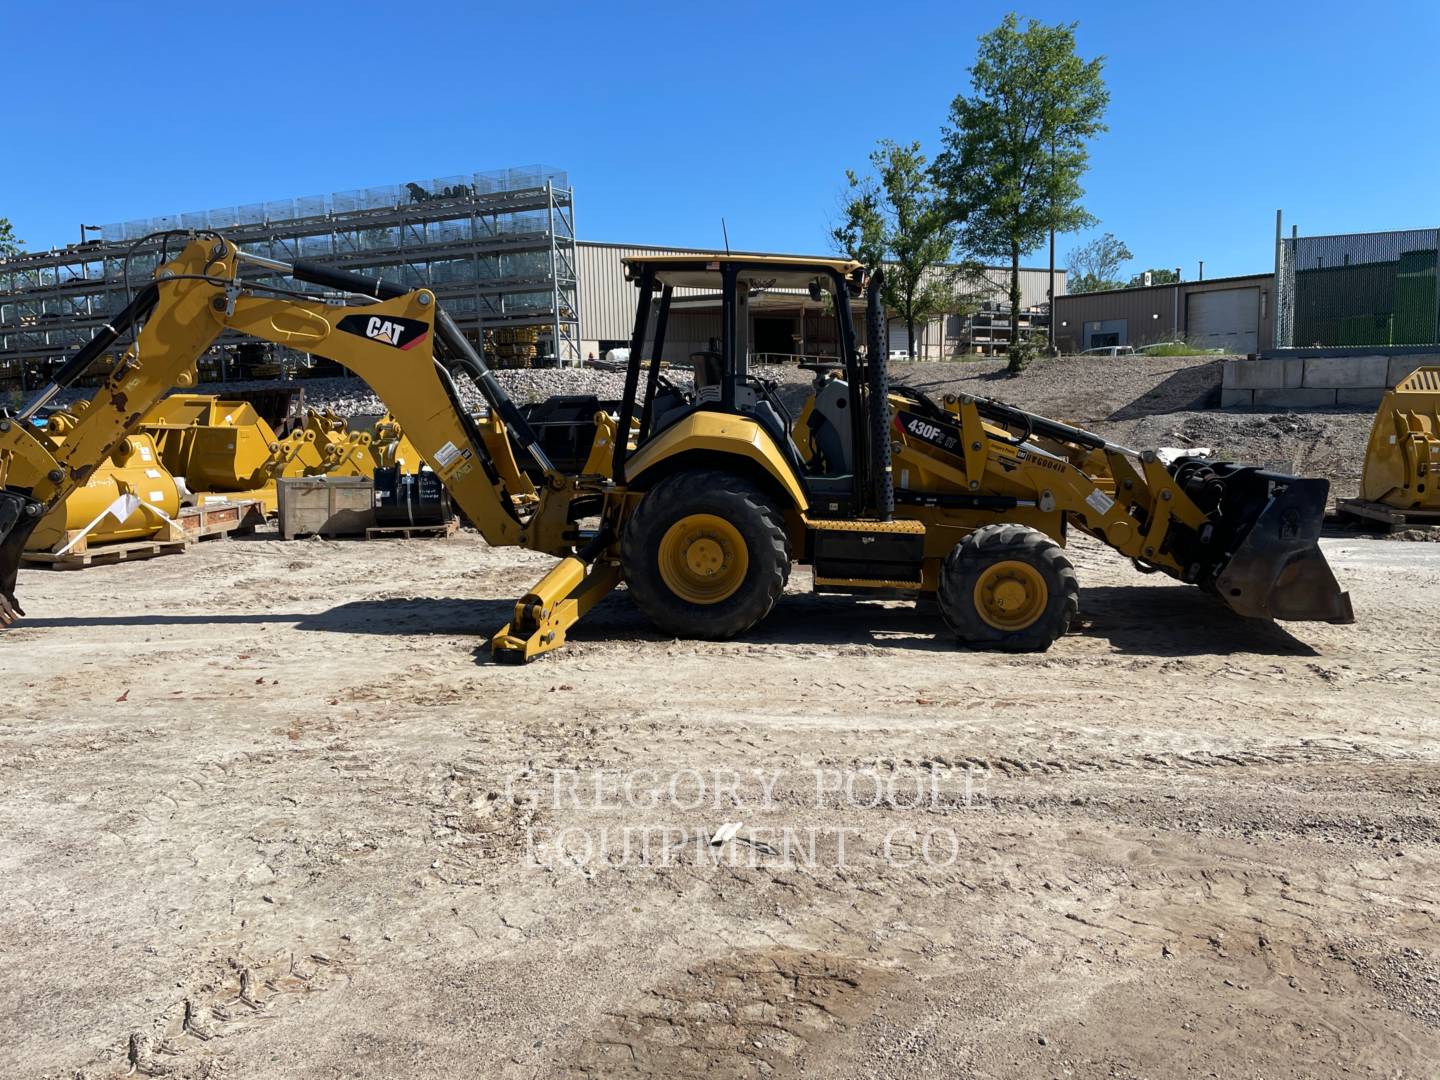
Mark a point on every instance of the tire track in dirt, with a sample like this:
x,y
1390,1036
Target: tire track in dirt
x,y
750,1014
188,1040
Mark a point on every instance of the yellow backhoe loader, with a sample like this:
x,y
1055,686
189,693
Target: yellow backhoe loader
x,y
701,496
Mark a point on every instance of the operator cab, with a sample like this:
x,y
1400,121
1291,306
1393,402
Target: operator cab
x,y
676,302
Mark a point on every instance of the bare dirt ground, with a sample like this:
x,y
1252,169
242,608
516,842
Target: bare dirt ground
x,y
269,812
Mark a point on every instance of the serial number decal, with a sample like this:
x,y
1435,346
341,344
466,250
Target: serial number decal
x,y
1050,463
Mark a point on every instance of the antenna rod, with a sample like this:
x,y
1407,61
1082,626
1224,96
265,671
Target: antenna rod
x,y
726,233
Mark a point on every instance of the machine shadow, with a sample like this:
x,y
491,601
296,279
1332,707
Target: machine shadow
x,y
1178,620
1191,388
410,615
1147,620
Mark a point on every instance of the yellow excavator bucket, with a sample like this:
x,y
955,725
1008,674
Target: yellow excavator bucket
x,y
133,469
225,448
1402,459
216,445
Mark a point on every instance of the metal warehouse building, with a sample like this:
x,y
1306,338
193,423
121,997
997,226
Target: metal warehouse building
x,y
1235,314
497,247
500,250
787,323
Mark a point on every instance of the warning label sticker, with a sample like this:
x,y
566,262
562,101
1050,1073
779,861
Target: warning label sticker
x,y
447,454
1098,501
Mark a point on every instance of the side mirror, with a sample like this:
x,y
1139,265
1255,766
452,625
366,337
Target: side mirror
x,y
816,292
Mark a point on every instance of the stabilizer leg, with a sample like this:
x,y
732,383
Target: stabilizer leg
x,y
556,603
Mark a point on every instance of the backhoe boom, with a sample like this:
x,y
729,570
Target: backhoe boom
x,y
390,344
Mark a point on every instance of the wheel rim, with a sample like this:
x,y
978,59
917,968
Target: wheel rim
x,y
703,559
1011,595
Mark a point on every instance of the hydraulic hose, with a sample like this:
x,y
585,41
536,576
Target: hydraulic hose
x,y
91,351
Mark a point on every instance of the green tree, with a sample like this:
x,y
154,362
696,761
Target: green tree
x,y
1095,266
893,216
9,245
1157,277
1015,146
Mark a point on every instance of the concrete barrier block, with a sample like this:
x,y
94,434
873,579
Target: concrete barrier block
x,y
1253,374
1331,372
1363,395
1401,366
1297,398
1231,398
1294,373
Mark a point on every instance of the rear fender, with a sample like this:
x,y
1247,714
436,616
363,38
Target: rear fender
x,y
706,439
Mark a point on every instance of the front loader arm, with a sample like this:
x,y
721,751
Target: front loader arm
x,y
1245,534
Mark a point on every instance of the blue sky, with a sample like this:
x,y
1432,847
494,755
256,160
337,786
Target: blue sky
x,y
668,119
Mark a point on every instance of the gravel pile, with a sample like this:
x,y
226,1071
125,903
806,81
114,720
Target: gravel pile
x,y
1138,401
349,396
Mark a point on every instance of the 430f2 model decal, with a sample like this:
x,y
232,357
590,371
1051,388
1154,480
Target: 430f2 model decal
x,y
923,428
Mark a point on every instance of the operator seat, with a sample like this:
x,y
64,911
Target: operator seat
x,y
709,370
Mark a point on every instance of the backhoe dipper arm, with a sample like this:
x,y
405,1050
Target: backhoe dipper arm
x,y
196,297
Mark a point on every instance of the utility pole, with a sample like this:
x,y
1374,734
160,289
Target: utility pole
x,y
1052,288
1277,334
1052,262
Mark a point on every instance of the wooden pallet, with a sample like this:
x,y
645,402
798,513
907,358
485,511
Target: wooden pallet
x,y
413,532
1389,516
103,554
237,517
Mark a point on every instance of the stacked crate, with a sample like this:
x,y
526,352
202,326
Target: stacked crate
x,y
514,346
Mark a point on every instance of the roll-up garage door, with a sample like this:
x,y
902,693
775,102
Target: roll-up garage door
x,y
1226,319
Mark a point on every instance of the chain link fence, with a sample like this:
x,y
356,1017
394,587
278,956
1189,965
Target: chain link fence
x,y
1359,289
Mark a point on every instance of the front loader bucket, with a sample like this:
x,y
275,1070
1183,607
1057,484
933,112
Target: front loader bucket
x,y
1278,570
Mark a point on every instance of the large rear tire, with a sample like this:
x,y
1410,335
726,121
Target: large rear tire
x,y
1008,587
705,554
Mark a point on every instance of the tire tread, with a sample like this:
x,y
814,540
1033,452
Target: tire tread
x,y
997,543
664,503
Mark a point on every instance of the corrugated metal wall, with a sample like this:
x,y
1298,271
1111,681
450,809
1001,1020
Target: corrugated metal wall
x,y
1155,314
1034,285
607,301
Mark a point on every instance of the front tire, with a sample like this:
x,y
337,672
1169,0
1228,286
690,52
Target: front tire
x,y
1008,587
705,554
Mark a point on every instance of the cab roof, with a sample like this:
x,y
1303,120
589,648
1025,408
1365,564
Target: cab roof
x,y
701,271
